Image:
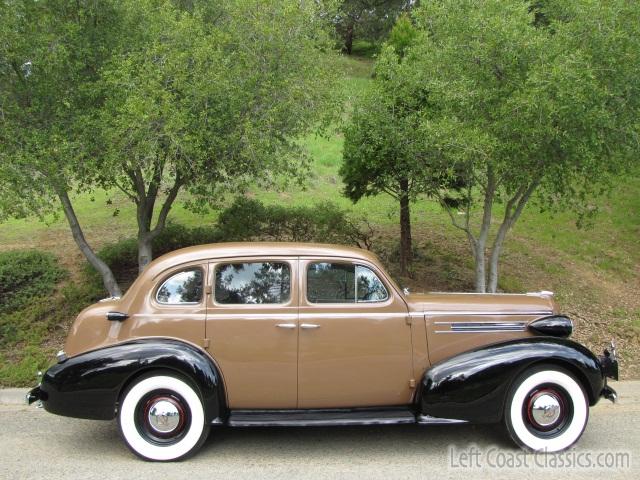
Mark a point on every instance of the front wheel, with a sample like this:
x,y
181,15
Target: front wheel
x,y
546,410
161,418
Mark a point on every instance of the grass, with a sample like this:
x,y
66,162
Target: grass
x,y
595,271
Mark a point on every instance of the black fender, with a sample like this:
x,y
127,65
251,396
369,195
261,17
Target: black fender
x,y
473,386
89,385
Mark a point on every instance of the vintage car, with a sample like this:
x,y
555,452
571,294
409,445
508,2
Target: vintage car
x,y
262,334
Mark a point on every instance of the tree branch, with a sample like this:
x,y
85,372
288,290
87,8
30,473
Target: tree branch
x,y
166,206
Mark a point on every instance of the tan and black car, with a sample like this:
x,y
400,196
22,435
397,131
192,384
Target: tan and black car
x,y
255,334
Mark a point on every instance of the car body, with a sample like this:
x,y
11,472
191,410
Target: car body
x,y
246,334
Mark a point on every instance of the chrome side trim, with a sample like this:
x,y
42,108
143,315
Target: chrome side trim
x,y
486,313
482,327
428,419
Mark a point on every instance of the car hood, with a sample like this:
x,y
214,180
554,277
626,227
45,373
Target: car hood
x,y
534,303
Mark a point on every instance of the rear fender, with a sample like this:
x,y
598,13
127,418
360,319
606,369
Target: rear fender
x,y
89,385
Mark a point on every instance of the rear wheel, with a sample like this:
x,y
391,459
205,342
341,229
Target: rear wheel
x,y
161,418
546,410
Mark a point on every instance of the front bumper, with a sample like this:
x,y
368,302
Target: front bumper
x,y
609,367
34,395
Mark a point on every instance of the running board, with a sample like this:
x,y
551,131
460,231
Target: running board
x,y
304,418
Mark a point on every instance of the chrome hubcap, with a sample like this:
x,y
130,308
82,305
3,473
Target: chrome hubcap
x,y
164,416
545,409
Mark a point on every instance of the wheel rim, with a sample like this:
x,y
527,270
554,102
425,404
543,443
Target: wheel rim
x,y
162,417
547,411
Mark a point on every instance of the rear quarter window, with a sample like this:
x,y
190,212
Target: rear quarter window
x,y
182,288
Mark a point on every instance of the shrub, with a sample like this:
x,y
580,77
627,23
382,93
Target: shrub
x,y
248,219
122,256
25,275
244,220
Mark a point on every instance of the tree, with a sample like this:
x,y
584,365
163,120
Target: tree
x,y
382,153
368,19
218,102
198,97
49,52
534,100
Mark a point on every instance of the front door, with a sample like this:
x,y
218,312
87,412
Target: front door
x,y
354,340
252,320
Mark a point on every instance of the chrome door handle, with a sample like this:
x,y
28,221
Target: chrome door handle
x,y
309,326
286,325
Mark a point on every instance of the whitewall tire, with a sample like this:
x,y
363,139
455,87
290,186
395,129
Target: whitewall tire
x,y
546,410
161,418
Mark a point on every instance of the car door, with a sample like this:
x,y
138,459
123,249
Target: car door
x,y
251,326
354,350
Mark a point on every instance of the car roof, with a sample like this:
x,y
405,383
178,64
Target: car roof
x,y
215,251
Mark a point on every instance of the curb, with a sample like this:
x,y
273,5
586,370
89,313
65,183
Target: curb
x,y
13,396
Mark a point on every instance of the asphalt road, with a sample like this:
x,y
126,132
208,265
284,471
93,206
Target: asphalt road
x,y
35,444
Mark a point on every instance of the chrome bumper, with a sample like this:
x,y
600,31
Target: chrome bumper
x,y
609,362
609,368
34,395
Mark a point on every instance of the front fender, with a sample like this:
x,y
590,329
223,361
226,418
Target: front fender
x,y
473,386
89,385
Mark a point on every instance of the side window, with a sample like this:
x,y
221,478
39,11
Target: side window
x,y
253,283
343,283
182,288
370,288
331,283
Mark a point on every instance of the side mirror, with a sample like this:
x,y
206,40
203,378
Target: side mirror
x,y
117,316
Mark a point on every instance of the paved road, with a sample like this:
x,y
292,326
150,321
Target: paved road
x,y
35,444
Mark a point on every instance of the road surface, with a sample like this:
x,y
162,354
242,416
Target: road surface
x,y
36,444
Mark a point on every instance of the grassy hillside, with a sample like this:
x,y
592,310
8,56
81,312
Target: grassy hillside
x,y
595,272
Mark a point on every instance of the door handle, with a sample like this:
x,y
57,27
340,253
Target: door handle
x,y
286,325
309,326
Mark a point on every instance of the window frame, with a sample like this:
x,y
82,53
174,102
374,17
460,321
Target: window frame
x,y
355,263
172,274
292,281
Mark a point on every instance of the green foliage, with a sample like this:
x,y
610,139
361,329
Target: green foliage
x,y
403,35
365,19
554,105
26,275
33,308
30,336
248,219
154,97
541,103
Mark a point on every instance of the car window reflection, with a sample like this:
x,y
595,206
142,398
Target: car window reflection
x,y
183,287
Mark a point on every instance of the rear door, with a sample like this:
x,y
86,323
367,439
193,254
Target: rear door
x,y
252,321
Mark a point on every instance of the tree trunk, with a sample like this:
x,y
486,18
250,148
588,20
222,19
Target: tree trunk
x,y
406,248
146,203
348,39
102,268
495,257
145,250
513,210
481,243
481,275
